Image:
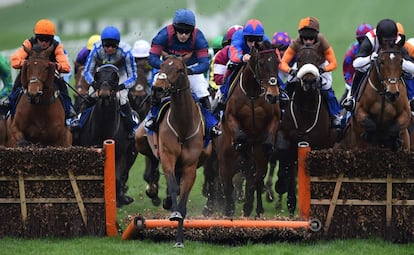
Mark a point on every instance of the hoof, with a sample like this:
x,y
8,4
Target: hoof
x,y
124,200
176,216
156,201
179,245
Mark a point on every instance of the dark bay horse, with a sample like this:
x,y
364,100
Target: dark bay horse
x,y
382,113
179,141
249,125
40,116
103,121
306,119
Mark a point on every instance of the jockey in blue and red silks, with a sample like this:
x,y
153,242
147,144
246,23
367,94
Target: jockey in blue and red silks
x,y
239,52
180,38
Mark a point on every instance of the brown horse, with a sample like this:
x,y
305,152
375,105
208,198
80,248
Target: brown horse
x,y
382,113
179,141
306,119
139,94
82,88
39,116
249,126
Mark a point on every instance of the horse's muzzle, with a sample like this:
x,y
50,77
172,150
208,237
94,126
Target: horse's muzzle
x,y
392,96
272,99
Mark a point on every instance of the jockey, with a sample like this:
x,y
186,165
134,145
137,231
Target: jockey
x,y
386,32
5,85
347,67
216,46
84,52
309,35
181,38
110,50
281,41
242,42
220,61
44,31
140,51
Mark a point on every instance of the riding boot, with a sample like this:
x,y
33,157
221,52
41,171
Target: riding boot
x,y
210,119
205,102
69,109
129,122
349,102
333,108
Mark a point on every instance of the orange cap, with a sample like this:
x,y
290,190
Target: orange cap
x,y
309,22
44,27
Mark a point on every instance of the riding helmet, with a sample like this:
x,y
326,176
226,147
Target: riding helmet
x,y
230,31
141,49
362,30
281,39
308,27
44,27
386,30
253,27
184,19
92,40
111,33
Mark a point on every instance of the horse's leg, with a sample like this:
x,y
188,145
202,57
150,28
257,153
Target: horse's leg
x,y
268,188
152,176
211,186
249,193
291,187
261,170
281,185
227,173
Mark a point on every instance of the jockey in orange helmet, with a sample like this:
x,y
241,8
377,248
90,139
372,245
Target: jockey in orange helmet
x,y
309,35
44,32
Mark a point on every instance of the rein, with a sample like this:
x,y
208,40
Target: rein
x,y
174,90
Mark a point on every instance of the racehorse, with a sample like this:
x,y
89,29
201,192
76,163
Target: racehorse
x,y
39,116
139,94
382,113
82,88
306,119
103,121
179,141
249,125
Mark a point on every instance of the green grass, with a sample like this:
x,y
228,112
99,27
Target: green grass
x,y
338,22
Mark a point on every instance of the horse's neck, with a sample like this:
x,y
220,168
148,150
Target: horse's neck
x,y
307,100
249,84
105,116
184,112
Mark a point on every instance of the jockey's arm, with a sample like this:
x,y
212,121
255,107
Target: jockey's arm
x,y
131,70
155,56
330,57
62,62
287,57
19,56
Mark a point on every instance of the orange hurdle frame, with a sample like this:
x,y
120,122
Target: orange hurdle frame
x,y
139,223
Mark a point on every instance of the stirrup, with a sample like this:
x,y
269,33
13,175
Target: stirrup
x,y
151,124
348,104
215,132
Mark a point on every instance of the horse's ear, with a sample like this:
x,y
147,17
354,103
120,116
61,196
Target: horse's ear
x,y
400,43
